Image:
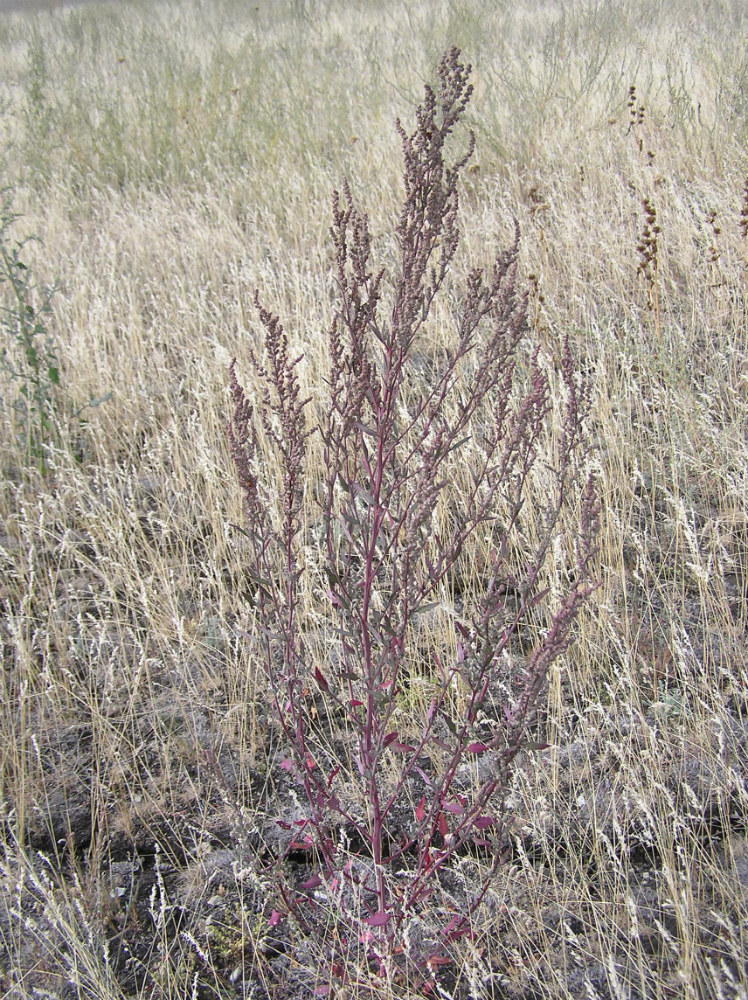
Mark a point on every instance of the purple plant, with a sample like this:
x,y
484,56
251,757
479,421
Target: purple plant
x,y
391,440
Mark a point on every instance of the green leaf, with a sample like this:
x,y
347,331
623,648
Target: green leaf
x,y
384,623
449,724
458,444
425,608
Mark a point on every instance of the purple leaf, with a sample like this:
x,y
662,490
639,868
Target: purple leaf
x,y
301,845
378,919
425,776
436,960
456,928
364,494
477,747
336,602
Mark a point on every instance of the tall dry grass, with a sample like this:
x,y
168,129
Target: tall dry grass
x,y
173,158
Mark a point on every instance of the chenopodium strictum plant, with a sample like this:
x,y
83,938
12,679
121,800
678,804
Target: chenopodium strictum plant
x,y
389,461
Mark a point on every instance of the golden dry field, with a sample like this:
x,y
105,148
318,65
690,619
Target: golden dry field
x,y
160,162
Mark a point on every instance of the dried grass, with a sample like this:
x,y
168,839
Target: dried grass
x,y
175,157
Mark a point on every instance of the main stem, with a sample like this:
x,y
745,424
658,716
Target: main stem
x,y
373,731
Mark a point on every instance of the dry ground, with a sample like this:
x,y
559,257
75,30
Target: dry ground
x,y
172,158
